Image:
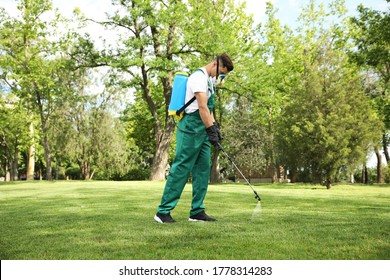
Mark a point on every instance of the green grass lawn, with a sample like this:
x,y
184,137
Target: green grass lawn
x,y
114,220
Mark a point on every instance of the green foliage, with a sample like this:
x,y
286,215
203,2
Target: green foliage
x,y
73,172
372,38
139,126
46,68
136,173
33,64
387,174
164,37
14,134
318,131
320,126
371,35
246,140
98,144
293,98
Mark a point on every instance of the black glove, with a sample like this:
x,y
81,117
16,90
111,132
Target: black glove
x,y
219,132
212,133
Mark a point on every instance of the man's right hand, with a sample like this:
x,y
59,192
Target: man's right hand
x,y
219,132
212,133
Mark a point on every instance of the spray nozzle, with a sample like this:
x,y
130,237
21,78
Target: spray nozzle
x,y
257,196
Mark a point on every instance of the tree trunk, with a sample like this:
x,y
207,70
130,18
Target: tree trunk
x,y
385,149
365,175
163,136
93,172
47,156
31,156
274,174
10,168
15,165
160,159
56,170
7,173
328,183
46,146
293,175
215,176
85,170
379,174
271,146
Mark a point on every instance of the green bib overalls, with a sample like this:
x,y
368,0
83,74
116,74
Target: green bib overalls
x,y
193,151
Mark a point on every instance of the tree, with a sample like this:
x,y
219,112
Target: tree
x,y
13,134
276,76
44,66
246,139
267,72
318,127
89,135
160,38
139,125
31,63
372,36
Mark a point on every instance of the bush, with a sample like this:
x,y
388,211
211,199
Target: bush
x,y
135,174
73,173
386,174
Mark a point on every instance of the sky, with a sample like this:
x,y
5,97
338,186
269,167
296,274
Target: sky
x,y
288,10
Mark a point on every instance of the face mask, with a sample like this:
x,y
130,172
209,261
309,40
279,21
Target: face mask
x,y
217,81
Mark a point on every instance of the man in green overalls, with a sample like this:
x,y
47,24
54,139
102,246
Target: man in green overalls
x,y
196,130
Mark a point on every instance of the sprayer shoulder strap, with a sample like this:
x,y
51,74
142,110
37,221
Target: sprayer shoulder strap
x,y
178,112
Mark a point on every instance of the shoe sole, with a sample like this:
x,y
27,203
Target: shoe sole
x,y
157,219
195,220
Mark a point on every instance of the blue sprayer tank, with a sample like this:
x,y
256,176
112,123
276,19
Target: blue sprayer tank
x,y
178,92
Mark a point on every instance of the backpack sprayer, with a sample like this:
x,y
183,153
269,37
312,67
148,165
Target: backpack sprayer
x,y
177,105
255,192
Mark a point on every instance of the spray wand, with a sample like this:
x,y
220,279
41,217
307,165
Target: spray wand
x,y
226,154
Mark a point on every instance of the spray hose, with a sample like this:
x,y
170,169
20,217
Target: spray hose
x,y
242,175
